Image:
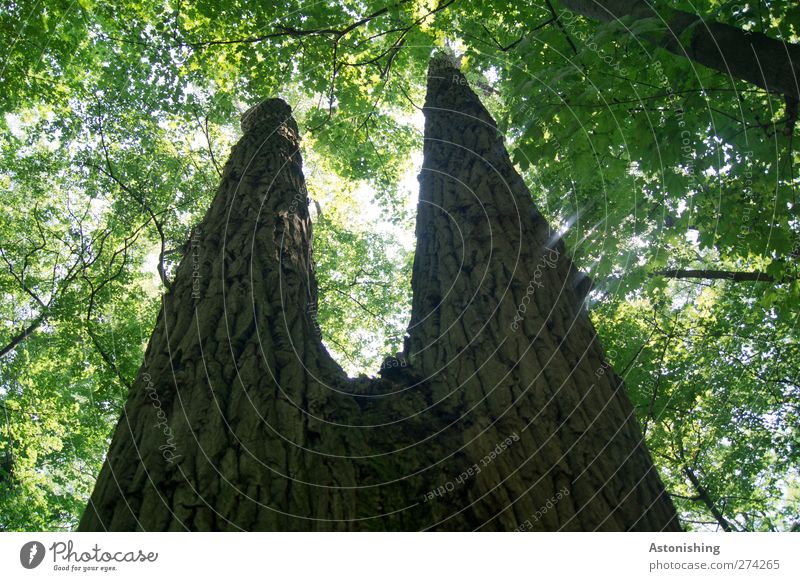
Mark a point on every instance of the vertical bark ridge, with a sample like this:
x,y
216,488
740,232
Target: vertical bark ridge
x,y
506,344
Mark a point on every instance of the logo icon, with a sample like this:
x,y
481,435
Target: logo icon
x,y
31,554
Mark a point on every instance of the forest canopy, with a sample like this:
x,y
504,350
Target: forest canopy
x,y
670,179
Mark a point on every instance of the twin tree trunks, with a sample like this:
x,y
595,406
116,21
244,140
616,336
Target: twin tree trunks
x,y
502,413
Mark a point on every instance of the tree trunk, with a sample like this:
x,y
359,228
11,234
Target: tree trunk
x,y
754,57
502,413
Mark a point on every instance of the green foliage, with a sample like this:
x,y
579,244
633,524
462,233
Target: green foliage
x,y
713,375
363,266
116,116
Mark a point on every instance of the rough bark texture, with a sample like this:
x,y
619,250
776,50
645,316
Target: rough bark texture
x,y
494,418
754,57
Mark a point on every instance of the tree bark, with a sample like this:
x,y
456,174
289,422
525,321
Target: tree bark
x,y
501,413
754,57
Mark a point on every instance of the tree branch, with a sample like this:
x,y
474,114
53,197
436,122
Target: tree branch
x,y
704,497
753,57
24,334
109,172
561,26
734,276
204,127
290,31
702,494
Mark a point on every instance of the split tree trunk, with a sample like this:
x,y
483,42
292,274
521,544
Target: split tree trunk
x,y
503,414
